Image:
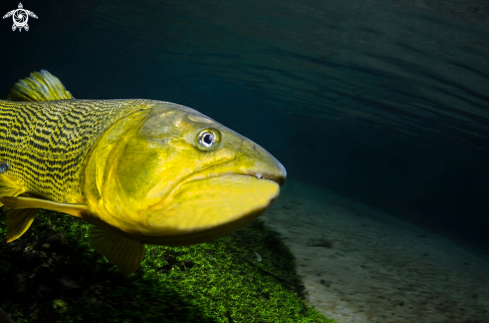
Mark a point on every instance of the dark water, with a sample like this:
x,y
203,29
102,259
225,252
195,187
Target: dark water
x,y
386,102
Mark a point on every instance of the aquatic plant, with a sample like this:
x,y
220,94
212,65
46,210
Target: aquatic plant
x,y
51,274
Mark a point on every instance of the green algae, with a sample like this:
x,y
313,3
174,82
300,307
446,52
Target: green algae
x,y
64,280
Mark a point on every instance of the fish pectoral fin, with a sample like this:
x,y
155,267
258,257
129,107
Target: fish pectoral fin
x,y
19,202
125,253
18,222
10,186
39,86
21,211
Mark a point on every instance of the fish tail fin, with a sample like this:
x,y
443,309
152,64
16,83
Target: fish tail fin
x,y
39,86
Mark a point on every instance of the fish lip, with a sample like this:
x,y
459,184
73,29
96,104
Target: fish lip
x,y
274,178
202,176
205,174
262,176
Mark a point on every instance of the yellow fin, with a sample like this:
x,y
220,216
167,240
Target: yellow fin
x,y
10,186
18,203
39,86
18,221
126,254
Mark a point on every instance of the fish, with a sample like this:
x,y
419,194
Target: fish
x,y
258,257
140,171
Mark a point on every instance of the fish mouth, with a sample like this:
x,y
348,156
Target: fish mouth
x,y
214,202
258,175
276,173
271,177
206,208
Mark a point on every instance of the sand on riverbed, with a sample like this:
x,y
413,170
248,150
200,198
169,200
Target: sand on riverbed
x,y
360,265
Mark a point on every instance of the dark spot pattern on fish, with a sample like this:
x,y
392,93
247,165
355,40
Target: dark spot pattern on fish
x,y
46,142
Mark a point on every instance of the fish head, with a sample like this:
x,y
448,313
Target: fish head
x,y
173,176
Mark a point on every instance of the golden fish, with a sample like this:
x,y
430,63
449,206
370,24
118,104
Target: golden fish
x,y
141,171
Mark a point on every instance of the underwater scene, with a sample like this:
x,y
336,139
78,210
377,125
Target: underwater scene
x,y
255,161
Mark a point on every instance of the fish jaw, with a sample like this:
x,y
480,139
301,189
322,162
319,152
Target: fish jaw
x,y
202,210
217,201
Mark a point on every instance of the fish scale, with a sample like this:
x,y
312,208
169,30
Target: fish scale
x,y
46,142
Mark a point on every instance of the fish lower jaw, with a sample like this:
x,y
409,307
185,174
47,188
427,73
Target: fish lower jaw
x,y
210,207
201,235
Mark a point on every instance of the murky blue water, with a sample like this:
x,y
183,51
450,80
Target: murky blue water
x,y
386,102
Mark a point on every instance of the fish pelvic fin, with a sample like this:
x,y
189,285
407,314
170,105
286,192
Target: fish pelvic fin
x,y
125,253
39,86
18,222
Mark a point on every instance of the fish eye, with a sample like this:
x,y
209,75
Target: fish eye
x,y
208,138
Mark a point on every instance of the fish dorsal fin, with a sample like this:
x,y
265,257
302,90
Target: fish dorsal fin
x,y
18,203
126,254
39,86
18,222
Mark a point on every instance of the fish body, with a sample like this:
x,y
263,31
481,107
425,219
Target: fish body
x,y
258,257
141,171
